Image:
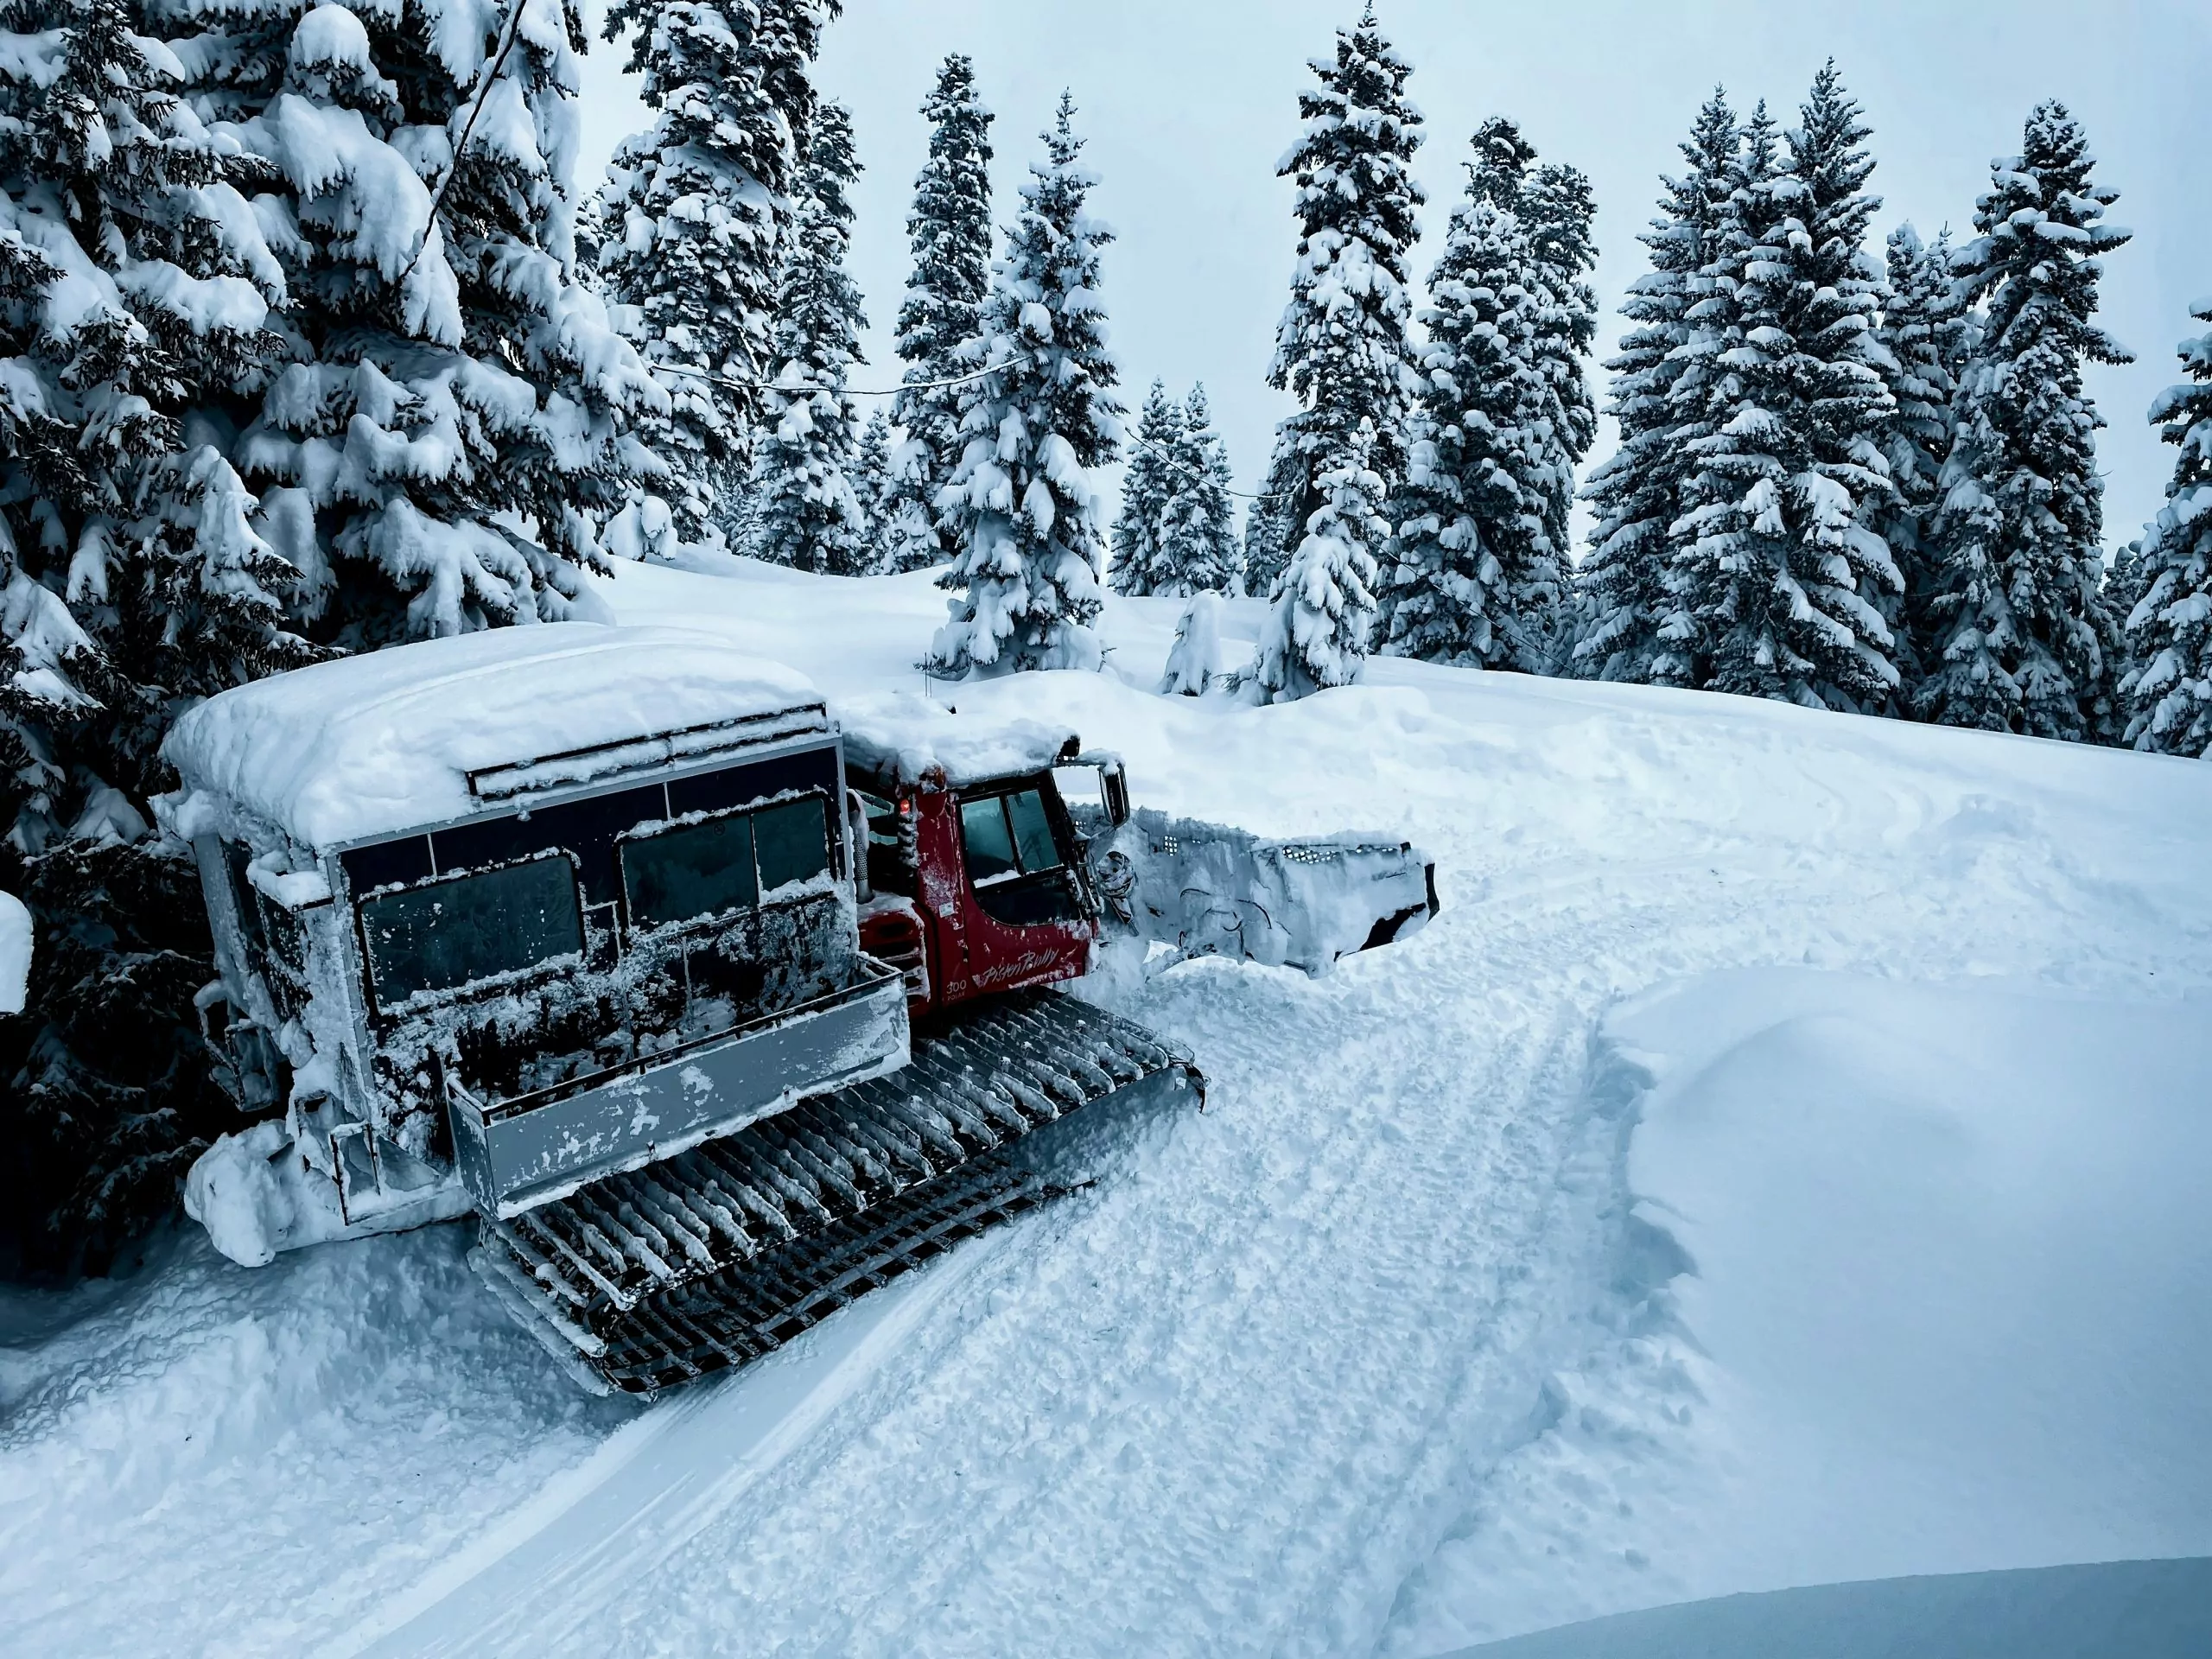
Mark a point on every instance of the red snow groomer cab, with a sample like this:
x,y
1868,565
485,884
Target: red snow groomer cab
x,y
717,1012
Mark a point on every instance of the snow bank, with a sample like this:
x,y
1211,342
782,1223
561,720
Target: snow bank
x,y
370,744
2145,1610
15,953
1949,1266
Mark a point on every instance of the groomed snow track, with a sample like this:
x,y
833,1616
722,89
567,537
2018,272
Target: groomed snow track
x,y
712,1258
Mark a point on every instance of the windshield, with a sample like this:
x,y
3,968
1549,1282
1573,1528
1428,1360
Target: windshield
x,y
452,932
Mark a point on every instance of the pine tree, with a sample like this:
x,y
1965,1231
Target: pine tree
x,y
949,230
1149,484
1773,576
1020,507
1928,336
135,294
2169,690
697,215
1637,493
1316,632
812,516
872,483
453,426
1268,520
1198,551
1342,350
1556,209
1478,575
2027,641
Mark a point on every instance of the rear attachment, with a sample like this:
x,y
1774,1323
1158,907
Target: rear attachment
x,y
721,1254
1205,889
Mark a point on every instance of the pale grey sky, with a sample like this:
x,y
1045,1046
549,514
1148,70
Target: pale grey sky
x,y
1188,105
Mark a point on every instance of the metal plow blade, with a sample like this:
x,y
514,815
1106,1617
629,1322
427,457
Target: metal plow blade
x,y
721,1254
1209,890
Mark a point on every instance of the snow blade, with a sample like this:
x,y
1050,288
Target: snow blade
x,y
1208,890
711,1259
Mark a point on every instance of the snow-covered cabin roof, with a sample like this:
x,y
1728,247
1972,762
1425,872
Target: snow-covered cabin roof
x,y
424,733
908,737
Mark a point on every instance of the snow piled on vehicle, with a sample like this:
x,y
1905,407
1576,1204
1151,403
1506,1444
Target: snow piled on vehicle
x,y
1390,1349
386,741
908,736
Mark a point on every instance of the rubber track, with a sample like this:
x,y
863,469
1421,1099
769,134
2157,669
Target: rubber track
x,y
719,1255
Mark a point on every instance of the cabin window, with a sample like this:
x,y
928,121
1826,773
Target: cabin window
x,y
1032,831
983,832
456,931
794,842
692,871
1014,859
695,869
1007,836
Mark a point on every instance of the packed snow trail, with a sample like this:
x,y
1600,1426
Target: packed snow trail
x,y
1248,1393
656,1483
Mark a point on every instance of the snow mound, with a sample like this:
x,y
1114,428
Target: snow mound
x,y
15,953
371,744
1932,1227
2146,1610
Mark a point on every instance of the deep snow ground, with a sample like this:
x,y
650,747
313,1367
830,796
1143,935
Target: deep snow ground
x,y
1375,1355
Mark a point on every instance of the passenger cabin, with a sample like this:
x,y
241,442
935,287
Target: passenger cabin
x,y
526,907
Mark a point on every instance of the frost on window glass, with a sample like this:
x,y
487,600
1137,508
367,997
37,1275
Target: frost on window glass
x,y
465,928
793,841
697,869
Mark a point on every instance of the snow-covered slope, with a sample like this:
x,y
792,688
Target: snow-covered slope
x,y
1379,1353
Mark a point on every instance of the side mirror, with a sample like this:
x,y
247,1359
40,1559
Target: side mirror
x,y
1114,789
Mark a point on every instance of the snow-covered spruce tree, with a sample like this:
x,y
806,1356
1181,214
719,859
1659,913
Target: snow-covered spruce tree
x,y
1928,336
1477,576
1316,632
696,216
872,482
2025,641
135,284
1342,350
1198,551
1556,209
1774,577
1268,521
2169,689
811,516
1620,588
1020,508
453,427
1148,485
950,231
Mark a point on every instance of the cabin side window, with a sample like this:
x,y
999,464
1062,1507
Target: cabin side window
x,y
717,866
459,930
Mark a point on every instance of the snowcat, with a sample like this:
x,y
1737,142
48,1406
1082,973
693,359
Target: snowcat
x,y
716,1011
